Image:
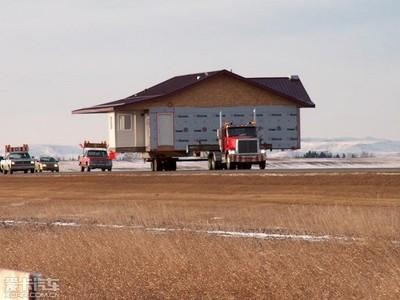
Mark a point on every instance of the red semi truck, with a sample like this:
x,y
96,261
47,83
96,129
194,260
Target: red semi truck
x,y
239,148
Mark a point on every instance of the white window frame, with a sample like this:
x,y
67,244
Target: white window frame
x,y
123,123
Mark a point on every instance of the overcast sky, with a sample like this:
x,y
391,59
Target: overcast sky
x,y
56,56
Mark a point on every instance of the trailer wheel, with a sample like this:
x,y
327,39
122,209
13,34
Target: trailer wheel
x,y
211,163
262,165
173,165
158,166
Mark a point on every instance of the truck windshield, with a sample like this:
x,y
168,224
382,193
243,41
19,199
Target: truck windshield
x,y
23,155
242,131
47,159
97,153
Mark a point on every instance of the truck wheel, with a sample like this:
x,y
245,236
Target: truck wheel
x,y
109,169
103,170
229,164
82,169
25,171
32,170
216,164
262,165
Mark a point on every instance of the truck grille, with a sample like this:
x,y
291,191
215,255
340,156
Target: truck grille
x,y
22,163
247,146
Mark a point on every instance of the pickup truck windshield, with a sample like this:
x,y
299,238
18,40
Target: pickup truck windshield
x,y
24,155
97,153
242,131
47,159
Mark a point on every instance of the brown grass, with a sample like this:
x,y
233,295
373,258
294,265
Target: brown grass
x,y
95,263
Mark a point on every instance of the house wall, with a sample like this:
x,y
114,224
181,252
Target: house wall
x,y
277,125
120,138
111,130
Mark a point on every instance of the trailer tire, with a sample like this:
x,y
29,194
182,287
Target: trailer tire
x,y
158,166
211,162
262,165
173,165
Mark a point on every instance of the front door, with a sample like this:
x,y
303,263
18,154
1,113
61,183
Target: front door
x,y
165,125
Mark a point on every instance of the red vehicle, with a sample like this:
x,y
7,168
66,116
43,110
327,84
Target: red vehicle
x,y
95,156
239,148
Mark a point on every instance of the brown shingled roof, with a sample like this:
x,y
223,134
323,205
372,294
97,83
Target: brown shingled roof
x,y
290,88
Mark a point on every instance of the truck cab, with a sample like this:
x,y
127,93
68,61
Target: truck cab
x,y
17,159
240,148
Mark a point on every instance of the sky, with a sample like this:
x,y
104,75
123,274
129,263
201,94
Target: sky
x,y
56,56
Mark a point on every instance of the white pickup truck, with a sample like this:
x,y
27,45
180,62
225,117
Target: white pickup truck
x,y
17,159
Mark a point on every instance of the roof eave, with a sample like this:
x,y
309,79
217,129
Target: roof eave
x,y
92,110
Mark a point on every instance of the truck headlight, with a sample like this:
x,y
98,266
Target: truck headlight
x,y
32,162
263,151
13,162
56,165
44,165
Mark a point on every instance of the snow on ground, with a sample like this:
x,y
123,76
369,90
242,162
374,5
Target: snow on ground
x,y
272,164
266,235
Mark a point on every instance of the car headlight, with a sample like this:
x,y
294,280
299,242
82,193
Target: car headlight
x,y
13,162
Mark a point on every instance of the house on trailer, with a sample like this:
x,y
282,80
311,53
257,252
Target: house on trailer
x,y
169,117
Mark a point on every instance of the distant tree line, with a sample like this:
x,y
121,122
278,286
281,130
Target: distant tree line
x,y
327,154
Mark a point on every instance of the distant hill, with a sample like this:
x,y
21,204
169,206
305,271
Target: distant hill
x,y
372,146
65,152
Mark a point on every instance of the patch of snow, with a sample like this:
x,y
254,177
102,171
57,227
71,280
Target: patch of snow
x,y
221,233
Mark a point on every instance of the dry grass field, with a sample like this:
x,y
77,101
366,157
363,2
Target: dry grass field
x,y
361,210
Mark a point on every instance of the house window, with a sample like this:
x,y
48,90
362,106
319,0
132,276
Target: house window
x,y
125,122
